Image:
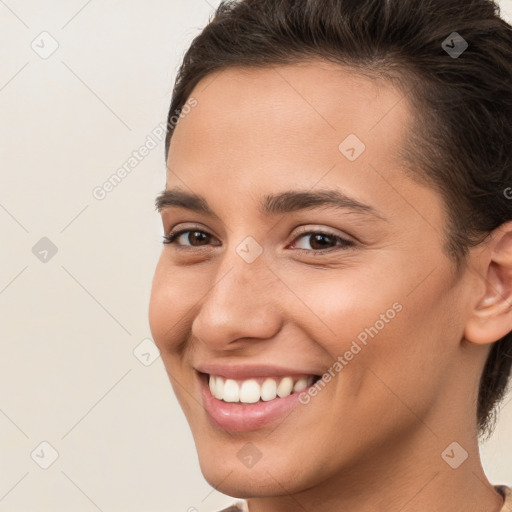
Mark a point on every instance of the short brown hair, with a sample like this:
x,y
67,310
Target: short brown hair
x,y
461,141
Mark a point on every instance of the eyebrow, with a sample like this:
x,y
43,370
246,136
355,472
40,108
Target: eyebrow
x,y
274,204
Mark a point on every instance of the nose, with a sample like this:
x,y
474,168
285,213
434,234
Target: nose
x,y
241,303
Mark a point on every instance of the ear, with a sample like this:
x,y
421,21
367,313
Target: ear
x,y
491,317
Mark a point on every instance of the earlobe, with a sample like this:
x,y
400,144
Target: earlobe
x,y
491,317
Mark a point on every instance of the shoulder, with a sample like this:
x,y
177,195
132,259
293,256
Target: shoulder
x,y
506,492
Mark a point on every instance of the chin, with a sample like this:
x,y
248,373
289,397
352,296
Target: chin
x,y
233,480
224,469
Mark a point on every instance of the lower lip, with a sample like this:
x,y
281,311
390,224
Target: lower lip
x,y
236,417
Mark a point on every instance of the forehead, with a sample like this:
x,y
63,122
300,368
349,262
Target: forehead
x,y
314,95
308,109
274,127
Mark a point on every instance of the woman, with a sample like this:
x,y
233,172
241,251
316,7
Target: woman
x,y
333,300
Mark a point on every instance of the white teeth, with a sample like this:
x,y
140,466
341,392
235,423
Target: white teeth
x,y
268,390
231,391
300,385
219,387
211,383
285,387
250,392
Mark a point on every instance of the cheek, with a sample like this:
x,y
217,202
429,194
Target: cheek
x,y
173,295
168,308
381,329
350,304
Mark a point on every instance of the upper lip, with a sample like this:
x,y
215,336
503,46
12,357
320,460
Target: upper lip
x,y
241,372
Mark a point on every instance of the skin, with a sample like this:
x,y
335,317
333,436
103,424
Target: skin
x,y
372,439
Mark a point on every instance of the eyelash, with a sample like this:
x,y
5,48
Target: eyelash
x,y
171,238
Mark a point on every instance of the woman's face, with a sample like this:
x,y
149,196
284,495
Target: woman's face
x,y
261,286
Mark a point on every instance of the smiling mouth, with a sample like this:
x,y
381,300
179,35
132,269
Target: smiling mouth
x,y
257,389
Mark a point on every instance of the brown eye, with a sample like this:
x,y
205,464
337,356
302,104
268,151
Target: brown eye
x,y
188,237
318,241
197,237
321,241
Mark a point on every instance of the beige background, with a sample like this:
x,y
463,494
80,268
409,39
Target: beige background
x,y
69,375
